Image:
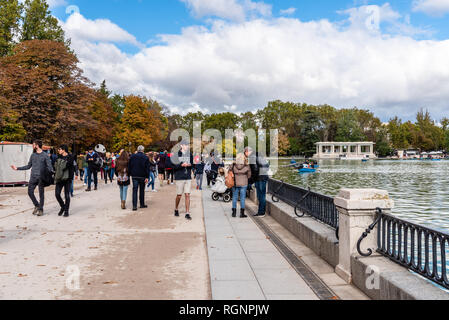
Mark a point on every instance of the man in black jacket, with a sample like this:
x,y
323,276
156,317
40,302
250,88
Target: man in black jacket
x,y
259,174
183,164
139,170
92,168
66,184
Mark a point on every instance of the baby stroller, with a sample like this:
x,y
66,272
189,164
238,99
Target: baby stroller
x,y
220,190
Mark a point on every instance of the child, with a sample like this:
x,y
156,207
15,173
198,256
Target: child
x,y
220,185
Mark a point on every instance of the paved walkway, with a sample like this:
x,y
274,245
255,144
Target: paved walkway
x,y
120,254
244,264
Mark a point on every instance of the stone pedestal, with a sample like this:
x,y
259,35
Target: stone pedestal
x,y
357,210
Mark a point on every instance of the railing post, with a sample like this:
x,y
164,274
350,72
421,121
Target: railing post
x,y
357,210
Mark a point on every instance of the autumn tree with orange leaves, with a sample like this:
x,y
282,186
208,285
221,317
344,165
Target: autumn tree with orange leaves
x,y
44,87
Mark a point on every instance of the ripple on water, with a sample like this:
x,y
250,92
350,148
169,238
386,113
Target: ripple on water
x,y
420,189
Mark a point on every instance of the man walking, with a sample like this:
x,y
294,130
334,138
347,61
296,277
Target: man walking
x,y
259,172
182,164
93,167
65,170
39,161
139,170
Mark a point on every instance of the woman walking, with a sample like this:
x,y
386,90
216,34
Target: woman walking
x,y
153,169
199,172
161,167
242,174
107,166
123,180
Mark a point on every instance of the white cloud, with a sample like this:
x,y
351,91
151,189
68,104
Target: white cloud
x,y
431,7
235,10
373,17
56,3
242,66
288,11
101,30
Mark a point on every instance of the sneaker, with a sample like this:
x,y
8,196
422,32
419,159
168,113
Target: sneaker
x,y
134,209
85,184
35,210
143,207
188,217
154,190
40,213
176,213
88,189
260,215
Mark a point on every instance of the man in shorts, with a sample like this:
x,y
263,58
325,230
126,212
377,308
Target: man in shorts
x,y
182,165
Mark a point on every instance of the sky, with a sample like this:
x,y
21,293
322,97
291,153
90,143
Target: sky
x,y
236,55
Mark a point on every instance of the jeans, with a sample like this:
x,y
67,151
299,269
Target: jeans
x,y
138,185
66,186
235,196
261,188
107,174
91,172
35,182
112,173
71,188
123,193
151,180
199,181
85,175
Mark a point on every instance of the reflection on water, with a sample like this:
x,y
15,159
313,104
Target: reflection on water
x,y
420,189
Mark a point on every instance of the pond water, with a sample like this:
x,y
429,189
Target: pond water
x,y
420,189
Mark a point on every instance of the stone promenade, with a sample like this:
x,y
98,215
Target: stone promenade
x,y
148,254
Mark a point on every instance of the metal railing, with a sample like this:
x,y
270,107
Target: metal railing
x,y
420,249
304,201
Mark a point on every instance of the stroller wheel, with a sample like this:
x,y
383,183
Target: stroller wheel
x,y
215,196
227,197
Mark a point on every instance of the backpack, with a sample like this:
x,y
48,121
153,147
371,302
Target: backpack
x,y
99,162
61,171
46,177
230,179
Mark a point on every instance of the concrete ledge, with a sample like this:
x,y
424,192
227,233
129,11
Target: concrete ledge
x,y
320,238
394,281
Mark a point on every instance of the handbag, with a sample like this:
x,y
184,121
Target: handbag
x,y
230,180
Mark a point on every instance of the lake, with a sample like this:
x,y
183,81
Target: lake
x,y
420,189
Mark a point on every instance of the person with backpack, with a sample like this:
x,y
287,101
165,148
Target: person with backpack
x,y
240,173
94,163
64,173
169,172
123,179
40,165
161,167
259,171
199,172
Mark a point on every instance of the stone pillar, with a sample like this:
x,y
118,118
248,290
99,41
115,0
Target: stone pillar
x,y
357,210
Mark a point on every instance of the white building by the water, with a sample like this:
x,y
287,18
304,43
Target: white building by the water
x,y
345,150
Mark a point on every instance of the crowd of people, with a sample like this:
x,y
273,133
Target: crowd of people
x,y
61,168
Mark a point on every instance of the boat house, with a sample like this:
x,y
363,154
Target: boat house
x,y
345,150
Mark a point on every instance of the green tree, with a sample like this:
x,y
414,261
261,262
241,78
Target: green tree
x,y
308,133
349,129
139,126
10,14
39,24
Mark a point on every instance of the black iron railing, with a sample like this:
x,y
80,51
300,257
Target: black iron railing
x,y
420,249
304,201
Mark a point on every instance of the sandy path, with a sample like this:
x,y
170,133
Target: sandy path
x,y
120,254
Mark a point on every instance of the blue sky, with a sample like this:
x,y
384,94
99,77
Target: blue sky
x,y
237,55
146,19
